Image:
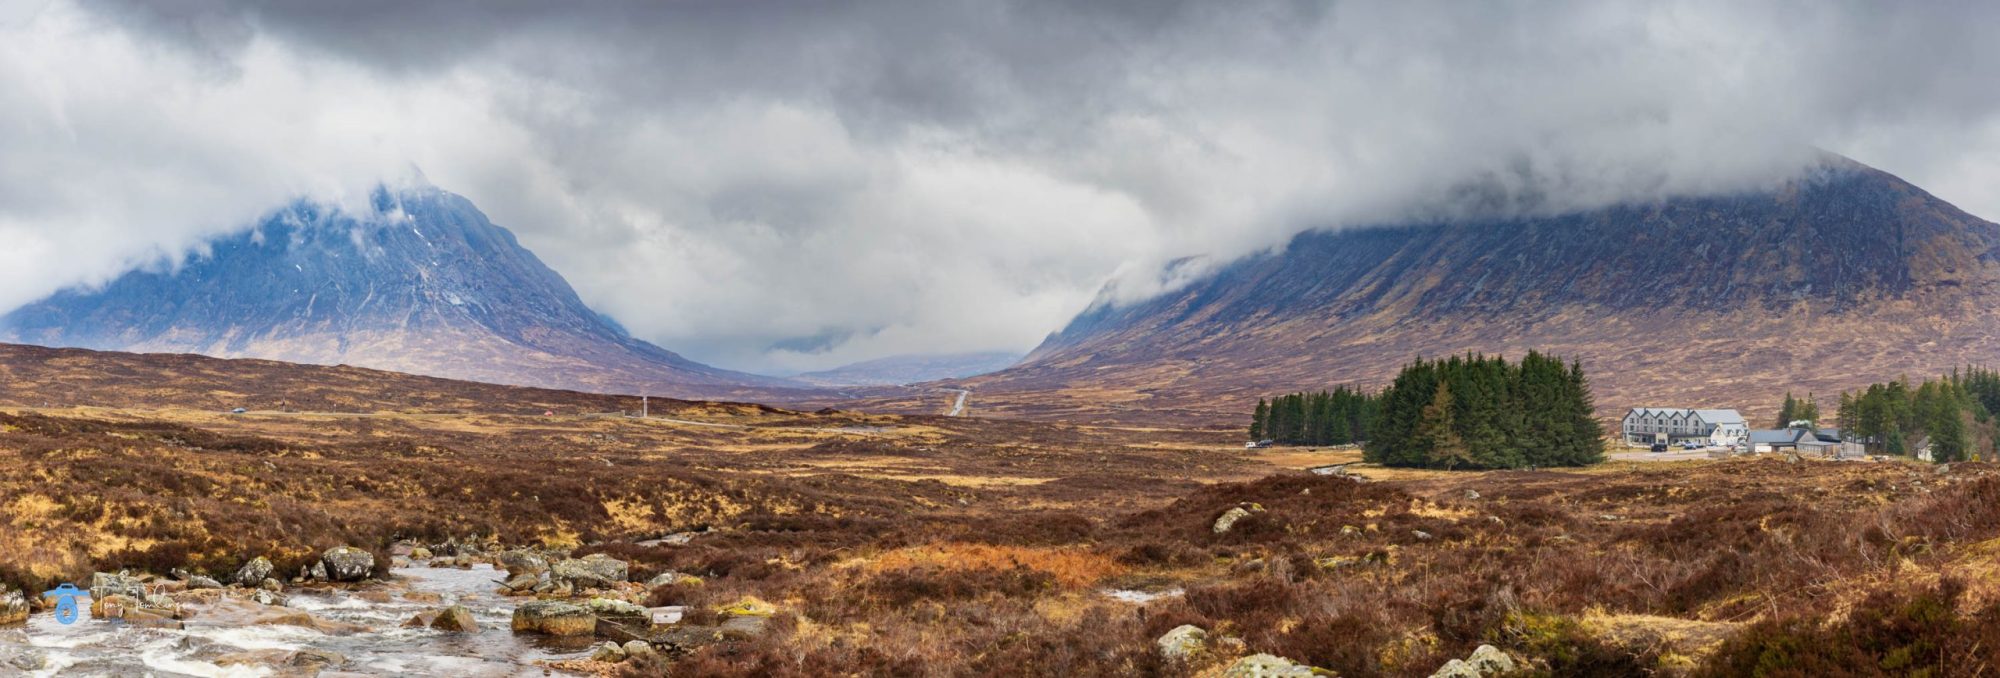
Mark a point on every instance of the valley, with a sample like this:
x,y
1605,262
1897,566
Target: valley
x,y
836,542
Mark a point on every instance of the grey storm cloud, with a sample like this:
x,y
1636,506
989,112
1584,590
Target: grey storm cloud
x,y
782,186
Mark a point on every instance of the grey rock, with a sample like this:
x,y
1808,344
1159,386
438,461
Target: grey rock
x,y
254,572
593,571
606,607
201,582
1228,519
555,618
521,562
1183,643
104,584
608,651
13,606
1485,661
1490,660
347,564
1267,666
639,649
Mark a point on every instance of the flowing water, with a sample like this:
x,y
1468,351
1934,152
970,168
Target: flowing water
x,y
111,648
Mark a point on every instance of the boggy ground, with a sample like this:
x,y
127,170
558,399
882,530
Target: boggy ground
x,y
945,546
900,546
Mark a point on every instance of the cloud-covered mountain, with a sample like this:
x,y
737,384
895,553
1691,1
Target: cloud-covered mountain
x,y
1844,277
419,281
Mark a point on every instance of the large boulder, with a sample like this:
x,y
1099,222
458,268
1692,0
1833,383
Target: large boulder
x,y
13,607
592,571
346,563
1184,643
554,618
254,572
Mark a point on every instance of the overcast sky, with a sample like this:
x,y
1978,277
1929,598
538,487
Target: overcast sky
x,y
776,186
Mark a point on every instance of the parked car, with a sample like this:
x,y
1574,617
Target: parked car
x,y
238,410
1659,447
1690,446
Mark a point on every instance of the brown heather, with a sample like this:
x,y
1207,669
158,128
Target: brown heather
x,y
926,546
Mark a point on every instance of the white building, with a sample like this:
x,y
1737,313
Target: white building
x,y
1650,425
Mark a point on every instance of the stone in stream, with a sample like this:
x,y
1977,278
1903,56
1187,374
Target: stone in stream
x,y
524,582
312,658
455,619
106,584
254,573
592,571
347,564
554,618
199,582
519,562
13,606
23,657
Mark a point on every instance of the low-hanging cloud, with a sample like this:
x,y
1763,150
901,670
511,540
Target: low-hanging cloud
x,y
792,187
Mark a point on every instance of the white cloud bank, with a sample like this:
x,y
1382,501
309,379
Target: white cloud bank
x,y
786,188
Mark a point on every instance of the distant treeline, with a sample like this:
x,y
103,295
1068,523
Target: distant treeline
x,y
1954,413
1337,417
1478,412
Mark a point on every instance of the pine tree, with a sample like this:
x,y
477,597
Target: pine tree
x,y
1437,432
1257,420
1788,412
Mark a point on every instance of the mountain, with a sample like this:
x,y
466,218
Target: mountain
x,y
421,283
1842,277
910,369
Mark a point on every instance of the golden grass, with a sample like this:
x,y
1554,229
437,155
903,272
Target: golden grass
x,y
1069,566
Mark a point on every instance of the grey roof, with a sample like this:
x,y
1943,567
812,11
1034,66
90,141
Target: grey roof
x,y
1711,417
1765,436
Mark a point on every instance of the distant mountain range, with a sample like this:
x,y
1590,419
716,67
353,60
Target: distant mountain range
x,y
910,369
1841,278
423,283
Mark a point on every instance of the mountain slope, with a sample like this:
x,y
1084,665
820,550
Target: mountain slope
x,y
1841,278
424,284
